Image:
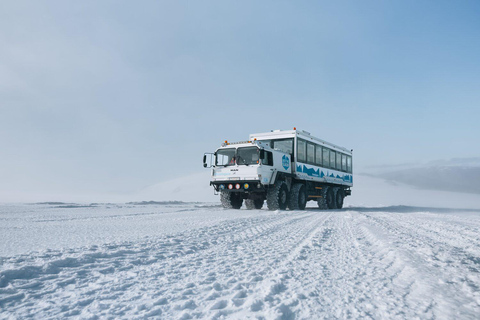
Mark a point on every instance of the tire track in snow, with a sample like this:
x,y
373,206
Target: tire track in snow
x,y
161,261
342,275
443,264
277,265
272,296
239,272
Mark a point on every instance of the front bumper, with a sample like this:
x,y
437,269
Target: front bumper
x,y
245,186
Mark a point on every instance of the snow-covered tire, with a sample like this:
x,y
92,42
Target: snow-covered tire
x,y
331,203
298,197
322,202
254,204
277,197
339,196
231,200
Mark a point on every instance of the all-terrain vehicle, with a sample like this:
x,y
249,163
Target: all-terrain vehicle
x,y
285,168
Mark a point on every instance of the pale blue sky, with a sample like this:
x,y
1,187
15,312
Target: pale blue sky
x,y
112,96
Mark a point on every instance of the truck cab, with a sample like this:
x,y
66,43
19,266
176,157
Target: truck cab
x,y
250,161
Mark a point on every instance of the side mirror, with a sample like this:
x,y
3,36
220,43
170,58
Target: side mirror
x,y
208,159
262,154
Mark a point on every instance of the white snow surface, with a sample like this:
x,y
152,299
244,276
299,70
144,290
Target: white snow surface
x,y
170,260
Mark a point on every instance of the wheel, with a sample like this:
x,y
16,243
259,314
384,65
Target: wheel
x,y
254,204
277,196
339,198
322,202
331,204
298,197
231,200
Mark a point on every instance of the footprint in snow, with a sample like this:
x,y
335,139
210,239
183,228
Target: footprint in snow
x,y
240,295
238,286
190,304
186,316
213,296
238,302
188,292
221,304
232,280
256,306
217,286
277,288
256,279
160,302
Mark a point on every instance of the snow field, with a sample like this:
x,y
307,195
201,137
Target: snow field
x,y
26,228
241,264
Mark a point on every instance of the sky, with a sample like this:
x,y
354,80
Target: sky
x,y
110,97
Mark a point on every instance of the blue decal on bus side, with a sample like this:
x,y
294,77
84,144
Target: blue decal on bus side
x,y
285,162
317,173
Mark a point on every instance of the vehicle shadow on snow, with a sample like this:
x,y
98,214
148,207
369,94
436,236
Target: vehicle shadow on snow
x,y
401,209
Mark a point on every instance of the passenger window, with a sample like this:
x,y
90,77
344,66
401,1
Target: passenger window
x,y
302,150
339,161
349,164
332,159
344,162
326,158
310,153
318,157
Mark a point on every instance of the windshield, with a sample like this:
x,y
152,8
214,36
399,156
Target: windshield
x,y
225,157
247,156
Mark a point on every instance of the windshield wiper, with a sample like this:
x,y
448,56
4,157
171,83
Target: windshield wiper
x,y
244,161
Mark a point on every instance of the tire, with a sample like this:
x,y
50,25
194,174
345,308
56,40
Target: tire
x,y
322,202
339,198
277,197
298,197
330,198
254,204
231,200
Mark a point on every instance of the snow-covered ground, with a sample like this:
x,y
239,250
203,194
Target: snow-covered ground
x,y
172,260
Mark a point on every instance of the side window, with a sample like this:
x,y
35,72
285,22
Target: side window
x,y
339,161
318,156
344,162
326,158
302,150
332,159
268,159
285,145
349,164
310,153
